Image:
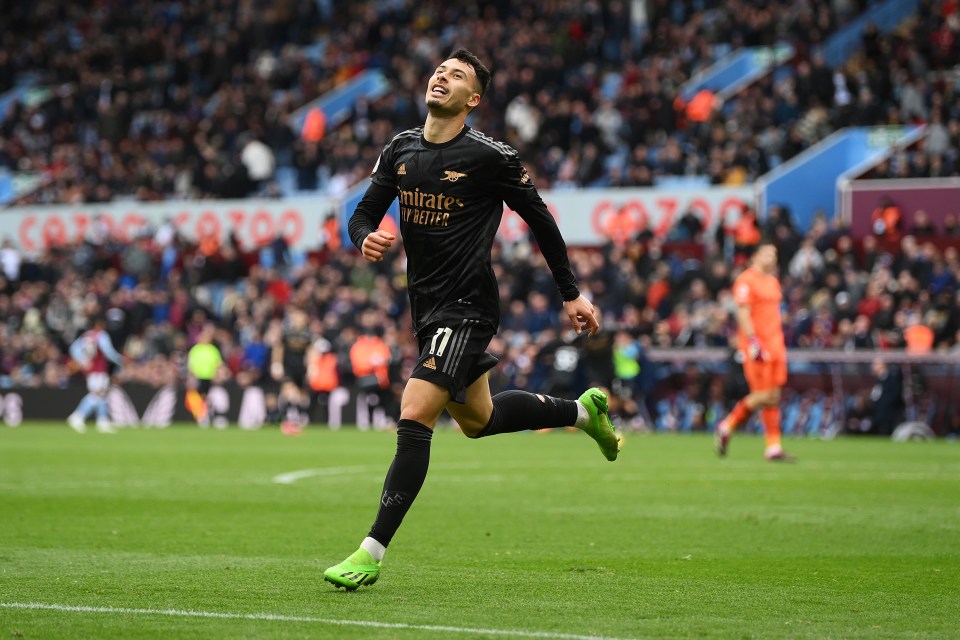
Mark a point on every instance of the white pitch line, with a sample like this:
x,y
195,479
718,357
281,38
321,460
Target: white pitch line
x,y
292,476
186,613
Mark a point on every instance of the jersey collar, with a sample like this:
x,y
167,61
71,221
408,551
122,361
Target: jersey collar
x,y
448,143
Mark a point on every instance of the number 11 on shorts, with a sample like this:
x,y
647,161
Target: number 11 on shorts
x,y
443,336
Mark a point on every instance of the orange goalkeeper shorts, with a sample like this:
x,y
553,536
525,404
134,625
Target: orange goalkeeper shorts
x,y
766,375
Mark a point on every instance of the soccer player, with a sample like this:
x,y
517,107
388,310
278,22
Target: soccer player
x,y
93,351
294,408
203,362
289,354
760,335
452,181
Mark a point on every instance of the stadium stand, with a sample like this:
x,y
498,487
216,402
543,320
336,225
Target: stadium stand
x,y
190,100
157,108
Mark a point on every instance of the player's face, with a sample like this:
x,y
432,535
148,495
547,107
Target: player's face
x,y
452,88
298,318
766,258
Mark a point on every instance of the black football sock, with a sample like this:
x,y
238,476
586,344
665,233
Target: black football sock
x,y
521,410
404,479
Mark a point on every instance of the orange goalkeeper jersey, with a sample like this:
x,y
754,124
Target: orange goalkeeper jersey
x,y
761,292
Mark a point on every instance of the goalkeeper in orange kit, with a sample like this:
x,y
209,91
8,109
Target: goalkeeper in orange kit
x,y
760,340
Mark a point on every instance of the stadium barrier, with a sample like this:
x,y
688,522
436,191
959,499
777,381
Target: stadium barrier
x,y
827,392
139,405
824,391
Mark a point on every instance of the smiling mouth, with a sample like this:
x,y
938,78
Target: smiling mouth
x,y
438,90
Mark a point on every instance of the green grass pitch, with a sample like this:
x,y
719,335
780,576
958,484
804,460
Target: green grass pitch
x,y
182,533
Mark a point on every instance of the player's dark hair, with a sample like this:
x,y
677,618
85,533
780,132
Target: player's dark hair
x,y
764,242
483,74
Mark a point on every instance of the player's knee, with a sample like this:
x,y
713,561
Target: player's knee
x,y
423,417
421,411
474,424
471,429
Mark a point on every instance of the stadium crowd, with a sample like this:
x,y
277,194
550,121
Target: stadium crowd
x,y
186,100
158,291
169,100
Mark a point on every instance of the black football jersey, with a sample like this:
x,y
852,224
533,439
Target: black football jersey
x,y
296,342
451,202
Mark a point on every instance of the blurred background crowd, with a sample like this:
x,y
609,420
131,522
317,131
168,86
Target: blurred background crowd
x,y
176,100
166,100
158,291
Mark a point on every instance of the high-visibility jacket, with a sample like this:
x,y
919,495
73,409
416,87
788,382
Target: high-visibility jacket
x,y
322,372
370,355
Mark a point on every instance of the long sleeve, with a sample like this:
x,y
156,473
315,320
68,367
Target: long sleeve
x,y
76,352
106,347
552,245
514,185
368,214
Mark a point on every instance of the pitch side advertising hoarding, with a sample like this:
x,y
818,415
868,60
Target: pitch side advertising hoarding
x,y
582,215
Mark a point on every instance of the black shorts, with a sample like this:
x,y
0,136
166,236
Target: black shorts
x,y
296,370
452,354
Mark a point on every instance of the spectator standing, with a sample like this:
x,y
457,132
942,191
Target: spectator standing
x,y
323,376
746,235
922,227
886,397
10,259
370,361
886,219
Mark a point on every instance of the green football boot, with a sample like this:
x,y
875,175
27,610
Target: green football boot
x,y
599,427
360,568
